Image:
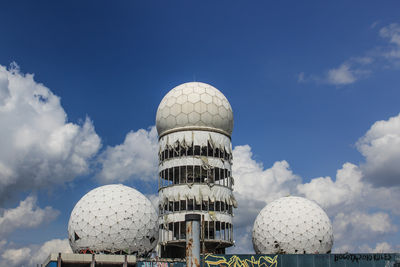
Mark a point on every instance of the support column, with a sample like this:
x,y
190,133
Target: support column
x,y
192,240
93,263
59,260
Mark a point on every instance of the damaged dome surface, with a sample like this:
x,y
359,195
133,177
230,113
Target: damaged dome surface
x,y
113,219
194,105
292,225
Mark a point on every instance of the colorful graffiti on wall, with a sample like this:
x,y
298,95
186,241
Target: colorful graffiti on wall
x,y
316,260
235,261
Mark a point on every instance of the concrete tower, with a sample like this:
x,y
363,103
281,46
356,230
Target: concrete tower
x,y
194,124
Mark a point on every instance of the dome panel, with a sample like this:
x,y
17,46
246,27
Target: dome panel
x,y
187,107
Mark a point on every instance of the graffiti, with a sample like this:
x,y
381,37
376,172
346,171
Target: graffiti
x,y
235,261
317,260
363,257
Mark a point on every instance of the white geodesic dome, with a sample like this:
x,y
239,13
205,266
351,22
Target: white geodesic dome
x,y
194,105
292,225
113,219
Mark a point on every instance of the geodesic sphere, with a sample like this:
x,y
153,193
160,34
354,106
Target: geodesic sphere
x,y
113,218
194,105
292,225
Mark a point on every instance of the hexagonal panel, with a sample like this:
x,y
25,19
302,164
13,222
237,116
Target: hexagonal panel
x,y
182,119
206,118
194,117
171,121
217,121
225,103
223,112
200,107
217,101
212,109
193,97
199,90
171,101
206,98
210,91
187,107
176,93
165,112
187,90
176,109
181,99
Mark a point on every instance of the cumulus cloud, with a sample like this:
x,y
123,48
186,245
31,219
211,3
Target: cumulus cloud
x,y
353,226
33,254
26,215
357,68
381,148
39,146
347,187
135,158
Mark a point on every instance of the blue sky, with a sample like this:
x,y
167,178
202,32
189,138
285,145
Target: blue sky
x,y
306,81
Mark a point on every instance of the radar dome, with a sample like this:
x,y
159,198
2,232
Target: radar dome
x,y
292,225
113,219
194,106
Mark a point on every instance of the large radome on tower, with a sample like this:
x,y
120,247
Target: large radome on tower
x,y
194,105
194,123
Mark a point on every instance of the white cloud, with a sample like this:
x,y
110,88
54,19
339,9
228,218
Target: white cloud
x,y
39,146
136,158
381,247
381,148
353,226
360,67
26,215
271,183
392,33
344,190
341,75
33,254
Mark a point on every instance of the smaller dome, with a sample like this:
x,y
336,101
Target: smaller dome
x,y
113,219
292,225
194,105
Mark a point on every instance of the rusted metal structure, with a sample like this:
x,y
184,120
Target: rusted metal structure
x,y
192,240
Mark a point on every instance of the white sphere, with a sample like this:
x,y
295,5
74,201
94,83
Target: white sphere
x,y
113,219
194,105
292,225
